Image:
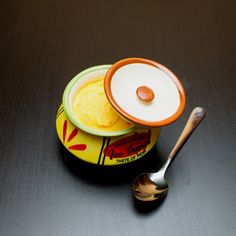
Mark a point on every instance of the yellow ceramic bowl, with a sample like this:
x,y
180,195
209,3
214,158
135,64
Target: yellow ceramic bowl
x,y
99,147
105,151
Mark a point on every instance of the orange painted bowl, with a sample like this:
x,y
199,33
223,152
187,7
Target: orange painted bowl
x,y
105,147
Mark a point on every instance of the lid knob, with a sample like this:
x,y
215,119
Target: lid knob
x,y
145,94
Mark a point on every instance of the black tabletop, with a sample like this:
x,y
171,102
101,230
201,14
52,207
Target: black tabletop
x,y
44,190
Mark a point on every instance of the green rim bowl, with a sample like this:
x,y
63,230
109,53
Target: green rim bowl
x,y
70,90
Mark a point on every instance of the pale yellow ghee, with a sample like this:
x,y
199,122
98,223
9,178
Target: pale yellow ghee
x,y
92,109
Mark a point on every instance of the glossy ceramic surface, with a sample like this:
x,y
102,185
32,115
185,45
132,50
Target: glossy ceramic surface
x,y
105,151
126,76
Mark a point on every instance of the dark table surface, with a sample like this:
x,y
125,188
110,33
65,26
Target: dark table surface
x,y
46,191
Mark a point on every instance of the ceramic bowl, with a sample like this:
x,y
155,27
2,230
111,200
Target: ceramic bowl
x,y
122,81
104,151
96,147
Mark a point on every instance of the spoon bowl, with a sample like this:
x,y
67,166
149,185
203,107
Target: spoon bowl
x,y
153,186
145,189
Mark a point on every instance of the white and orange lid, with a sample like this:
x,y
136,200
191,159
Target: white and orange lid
x,y
144,92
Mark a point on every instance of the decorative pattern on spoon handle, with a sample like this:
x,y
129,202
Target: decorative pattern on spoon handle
x,y
194,120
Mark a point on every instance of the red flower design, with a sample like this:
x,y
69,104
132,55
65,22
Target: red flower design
x,y
77,147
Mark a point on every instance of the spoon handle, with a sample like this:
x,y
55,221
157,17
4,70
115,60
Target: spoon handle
x,y
194,120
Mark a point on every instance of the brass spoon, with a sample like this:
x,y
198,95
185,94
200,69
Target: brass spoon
x,y
153,186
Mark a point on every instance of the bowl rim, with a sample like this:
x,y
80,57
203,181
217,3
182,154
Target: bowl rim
x,y
137,121
69,113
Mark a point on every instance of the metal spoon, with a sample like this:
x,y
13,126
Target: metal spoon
x,y
153,186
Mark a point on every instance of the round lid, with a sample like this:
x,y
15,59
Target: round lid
x,y
144,92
